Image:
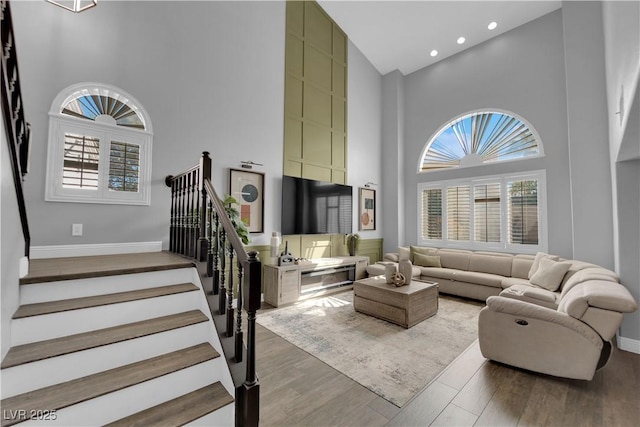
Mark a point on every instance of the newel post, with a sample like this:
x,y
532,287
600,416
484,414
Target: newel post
x,y
205,173
249,391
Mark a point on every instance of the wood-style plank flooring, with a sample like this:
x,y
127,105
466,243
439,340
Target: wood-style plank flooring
x,y
299,390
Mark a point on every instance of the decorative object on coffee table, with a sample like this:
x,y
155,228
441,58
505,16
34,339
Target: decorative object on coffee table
x,y
389,271
398,279
406,268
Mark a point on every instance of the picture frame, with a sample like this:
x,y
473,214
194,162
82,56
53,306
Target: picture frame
x,y
247,187
367,209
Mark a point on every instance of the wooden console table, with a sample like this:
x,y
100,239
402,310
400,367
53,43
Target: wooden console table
x,y
290,283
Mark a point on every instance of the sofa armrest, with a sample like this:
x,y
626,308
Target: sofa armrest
x,y
526,311
599,294
391,256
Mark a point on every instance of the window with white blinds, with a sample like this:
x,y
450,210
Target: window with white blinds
x,y
99,147
458,210
431,221
502,212
486,208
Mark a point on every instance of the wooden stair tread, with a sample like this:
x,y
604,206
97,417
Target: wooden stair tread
x,y
58,346
181,410
49,307
69,393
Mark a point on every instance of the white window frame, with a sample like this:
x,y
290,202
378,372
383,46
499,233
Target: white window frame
x,y
503,245
62,124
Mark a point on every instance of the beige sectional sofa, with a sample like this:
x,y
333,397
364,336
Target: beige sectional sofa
x,y
543,313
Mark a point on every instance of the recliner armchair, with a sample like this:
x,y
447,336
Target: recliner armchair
x,y
572,341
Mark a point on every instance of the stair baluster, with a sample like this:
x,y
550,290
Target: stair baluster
x,y
222,306
230,311
216,256
239,334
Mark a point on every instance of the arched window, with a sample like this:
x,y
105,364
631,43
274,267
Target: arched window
x,y
478,138
99,147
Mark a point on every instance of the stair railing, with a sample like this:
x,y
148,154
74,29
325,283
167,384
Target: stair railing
x,y
200,227
17,129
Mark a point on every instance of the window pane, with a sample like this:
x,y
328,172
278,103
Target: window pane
x,y
81,157
458,213
432,214
486,208
523,212
124,166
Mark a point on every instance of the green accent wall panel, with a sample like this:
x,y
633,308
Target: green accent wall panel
x,y
315,127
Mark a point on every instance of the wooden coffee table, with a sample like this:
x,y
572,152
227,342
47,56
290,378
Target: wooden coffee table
x,y
405,305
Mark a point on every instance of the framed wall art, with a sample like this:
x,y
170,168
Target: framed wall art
x,y
247,188
367,211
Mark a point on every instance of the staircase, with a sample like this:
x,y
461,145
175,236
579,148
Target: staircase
x,y
132,347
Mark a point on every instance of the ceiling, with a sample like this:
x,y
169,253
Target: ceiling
x,y
399,35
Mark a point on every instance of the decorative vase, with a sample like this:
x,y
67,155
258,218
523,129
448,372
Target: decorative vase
x,y
406,269
351,244
389,269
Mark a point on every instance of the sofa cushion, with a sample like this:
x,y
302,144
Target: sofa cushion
x,y
426,260
390,256
422,250
477,278
438,273
492,263
533,295
507,282
521,265
455,258
576,266
591,273
549,274
536,262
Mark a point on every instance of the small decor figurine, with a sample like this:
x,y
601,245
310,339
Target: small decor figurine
x,y
397,279
352,243
285,257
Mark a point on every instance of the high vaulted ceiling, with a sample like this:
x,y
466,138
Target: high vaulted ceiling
x,y
399,35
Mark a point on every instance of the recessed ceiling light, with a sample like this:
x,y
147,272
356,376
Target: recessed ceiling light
x,y
492,25
461,40
433,52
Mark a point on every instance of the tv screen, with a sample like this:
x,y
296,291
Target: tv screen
x,y
315,207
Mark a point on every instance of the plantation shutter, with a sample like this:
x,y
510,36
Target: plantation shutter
x,y
432,214
81,159
124,166
458,213
523,212
486,208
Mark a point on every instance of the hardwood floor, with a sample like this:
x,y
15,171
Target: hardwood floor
x,y
298,389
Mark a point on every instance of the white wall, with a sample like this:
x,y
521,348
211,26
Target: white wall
x,y
210,74
521,71
11,246
621,24
364,133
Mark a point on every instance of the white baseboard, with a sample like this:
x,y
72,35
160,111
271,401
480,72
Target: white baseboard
x,y
65,251
628,344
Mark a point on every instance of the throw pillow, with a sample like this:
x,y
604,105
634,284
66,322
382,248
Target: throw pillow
x,y
536,262
404,253
420,250
549,274
427,260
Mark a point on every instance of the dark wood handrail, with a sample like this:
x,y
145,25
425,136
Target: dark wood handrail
x,y
16,127
201,228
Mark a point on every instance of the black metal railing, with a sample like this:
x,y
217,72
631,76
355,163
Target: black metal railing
x,y
16,127
200,227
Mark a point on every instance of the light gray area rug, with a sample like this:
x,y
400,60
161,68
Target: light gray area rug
x,y
389,360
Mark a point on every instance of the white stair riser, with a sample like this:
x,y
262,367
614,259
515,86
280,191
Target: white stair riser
x,y
224,416
55,325
77,288
113,406
42,373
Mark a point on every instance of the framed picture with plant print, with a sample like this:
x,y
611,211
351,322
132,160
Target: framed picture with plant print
x,y
247,187
367,211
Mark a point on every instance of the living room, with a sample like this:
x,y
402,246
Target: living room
x,y
211,77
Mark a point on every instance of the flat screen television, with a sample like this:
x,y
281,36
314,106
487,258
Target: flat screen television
x,y
315,207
